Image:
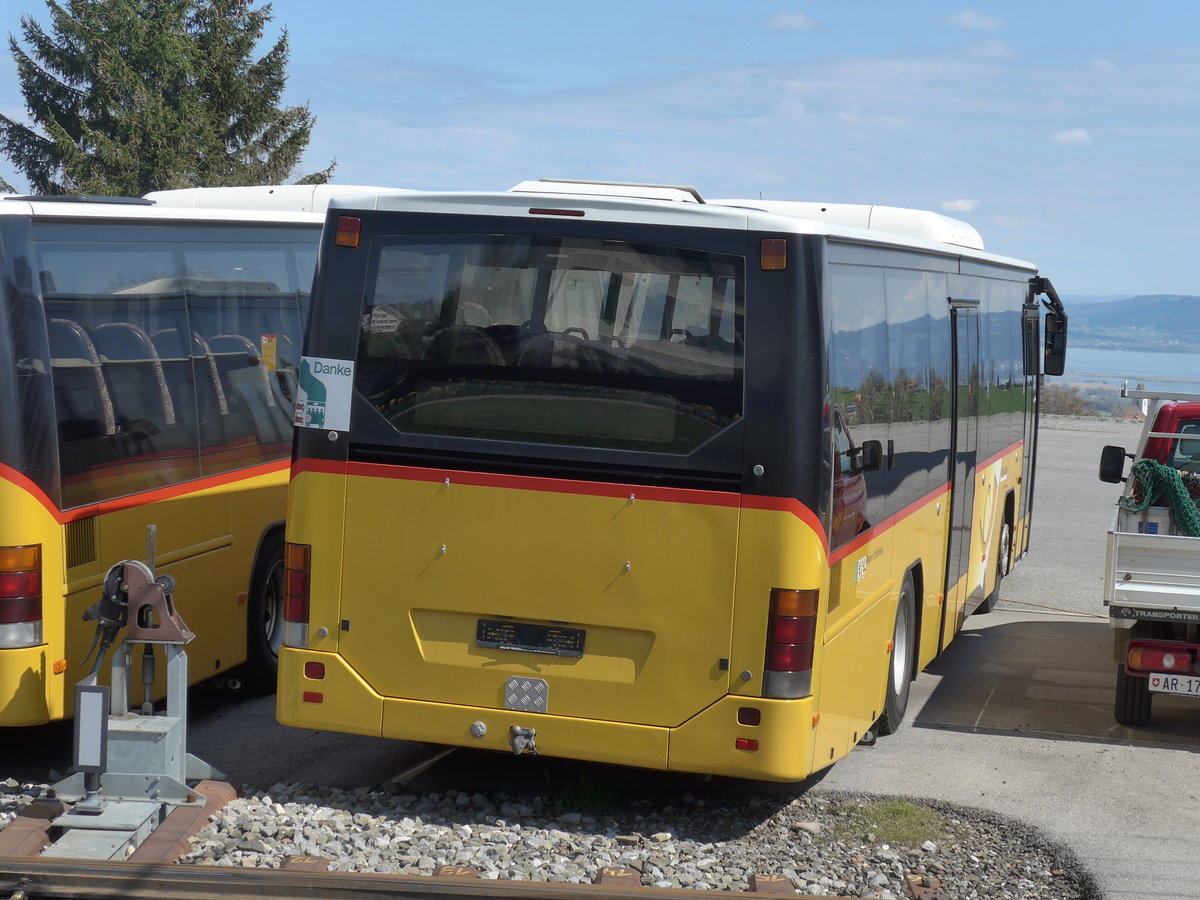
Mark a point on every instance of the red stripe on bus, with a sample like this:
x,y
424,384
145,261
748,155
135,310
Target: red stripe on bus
x,y
998,456
893,520
143,498
518,482
567,486
889,523
677,495
793,507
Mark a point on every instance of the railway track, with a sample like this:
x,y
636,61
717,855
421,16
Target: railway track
x,y
301,877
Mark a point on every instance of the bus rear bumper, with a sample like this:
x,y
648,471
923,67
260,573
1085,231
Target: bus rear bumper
x,y
707,743
778,748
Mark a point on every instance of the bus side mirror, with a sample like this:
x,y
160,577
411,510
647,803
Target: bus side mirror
x,y
870,456
1056,343
1112,464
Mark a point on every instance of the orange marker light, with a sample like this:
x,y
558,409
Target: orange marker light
x,y
772,255
349,231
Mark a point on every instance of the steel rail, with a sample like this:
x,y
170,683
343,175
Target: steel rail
x,y
59,879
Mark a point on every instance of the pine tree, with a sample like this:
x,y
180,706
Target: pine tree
x,y
139,95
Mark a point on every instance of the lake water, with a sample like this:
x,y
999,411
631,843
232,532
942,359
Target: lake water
x,y
1162,371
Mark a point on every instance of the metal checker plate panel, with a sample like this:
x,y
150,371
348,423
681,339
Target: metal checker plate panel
x,y
527,694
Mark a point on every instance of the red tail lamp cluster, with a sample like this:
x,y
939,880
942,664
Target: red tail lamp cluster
x,y
297,560
791,633
20,596
1161,656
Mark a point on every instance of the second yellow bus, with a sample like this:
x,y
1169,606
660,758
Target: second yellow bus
x,y
610,473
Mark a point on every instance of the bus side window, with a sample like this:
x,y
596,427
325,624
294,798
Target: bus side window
x,y
84,404
131,360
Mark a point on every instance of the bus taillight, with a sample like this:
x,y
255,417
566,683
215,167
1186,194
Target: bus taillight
x,y
791,634
297,583
20,596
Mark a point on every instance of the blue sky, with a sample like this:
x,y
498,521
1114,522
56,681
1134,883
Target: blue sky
x,y
1068,133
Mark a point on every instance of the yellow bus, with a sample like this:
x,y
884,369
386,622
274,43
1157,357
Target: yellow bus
x,y
148,358
611,473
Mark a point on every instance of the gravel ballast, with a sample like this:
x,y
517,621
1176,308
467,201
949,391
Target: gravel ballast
x,y
825,844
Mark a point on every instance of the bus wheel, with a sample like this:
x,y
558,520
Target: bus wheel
x,y
264,625
900,666
1003,555
1132,706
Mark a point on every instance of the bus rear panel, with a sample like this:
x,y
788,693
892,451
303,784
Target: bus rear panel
x,y
580,477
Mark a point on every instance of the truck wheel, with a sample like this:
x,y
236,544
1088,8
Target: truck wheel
x,y
1003,555
900,672
1132,706
264,624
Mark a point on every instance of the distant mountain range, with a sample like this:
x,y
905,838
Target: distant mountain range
x,y
1158,322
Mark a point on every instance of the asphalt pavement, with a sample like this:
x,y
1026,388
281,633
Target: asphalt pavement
x,y
1016,716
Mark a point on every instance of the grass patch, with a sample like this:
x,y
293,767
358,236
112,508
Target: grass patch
x,y
896,822
580,789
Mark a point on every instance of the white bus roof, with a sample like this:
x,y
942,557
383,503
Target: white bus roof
x,y
683,207
284,197
289,203
917,223
116,209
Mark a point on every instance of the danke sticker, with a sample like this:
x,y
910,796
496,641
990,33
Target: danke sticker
x,y
323,398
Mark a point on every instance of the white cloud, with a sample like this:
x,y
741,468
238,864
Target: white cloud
x,y
961,205
1100,64
1072,136
790,22
992,50
970,18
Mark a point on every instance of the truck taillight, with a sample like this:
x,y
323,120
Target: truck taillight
x,y
1161,656
297,584
20,596
791,635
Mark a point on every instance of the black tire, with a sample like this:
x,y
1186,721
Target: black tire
x,y
1003,557
1133,700
900,662
264,622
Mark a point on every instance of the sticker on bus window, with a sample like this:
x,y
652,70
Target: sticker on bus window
x,y
267,350
323,397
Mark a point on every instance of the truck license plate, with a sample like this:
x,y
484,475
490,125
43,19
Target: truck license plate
x,y
1175,684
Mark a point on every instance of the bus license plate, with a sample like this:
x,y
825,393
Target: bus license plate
x,y
1185,685
551,640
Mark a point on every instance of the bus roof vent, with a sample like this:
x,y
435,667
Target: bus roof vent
x,y
632,190
917,223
